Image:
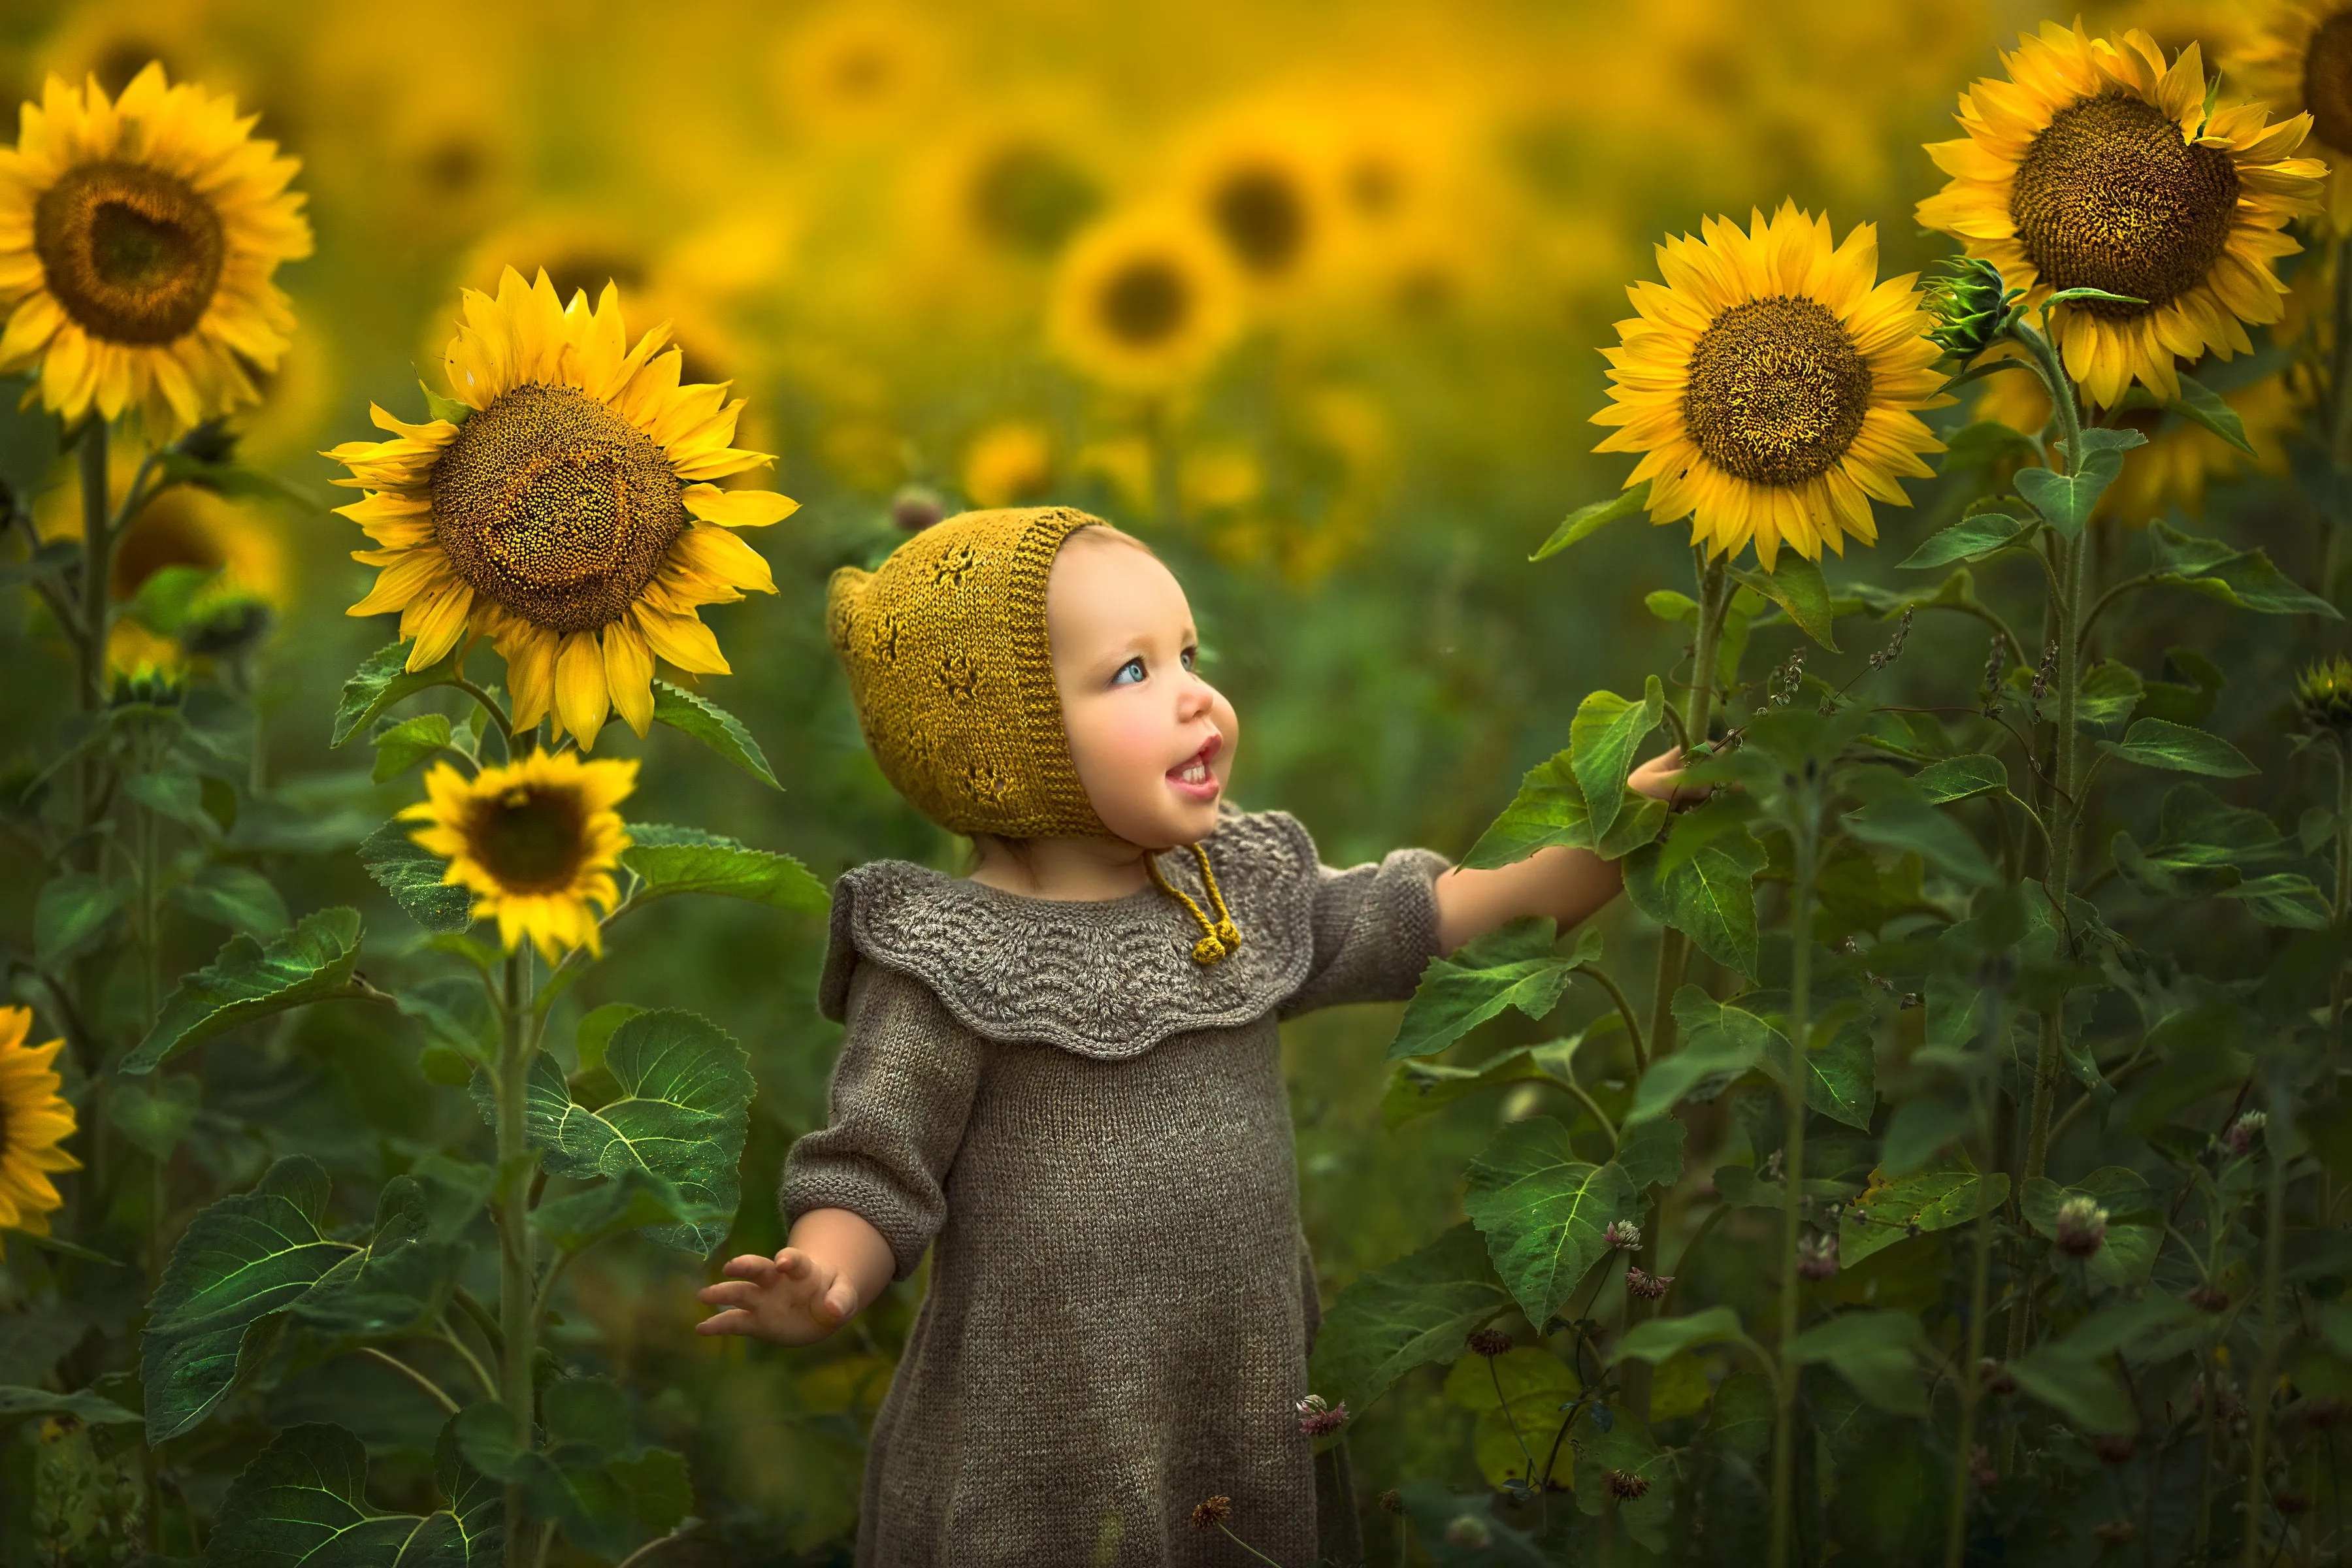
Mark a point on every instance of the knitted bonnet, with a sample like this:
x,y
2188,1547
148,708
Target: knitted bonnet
x,y
952,675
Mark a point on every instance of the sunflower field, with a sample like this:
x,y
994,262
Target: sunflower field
x,y
426,434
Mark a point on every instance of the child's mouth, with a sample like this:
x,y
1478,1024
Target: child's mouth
x,y
1191,776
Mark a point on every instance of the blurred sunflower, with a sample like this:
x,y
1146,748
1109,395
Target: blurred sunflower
x,y
860,69
136,242
570,518
2298,60
536,840
1260,185
2180,458
2097,165
35,1118
1010,461
1013,186
1770,387
1144,301
183,526
114,40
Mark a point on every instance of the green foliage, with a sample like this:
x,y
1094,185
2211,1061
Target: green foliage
x,y
716,728
689,860
1543,1211
304,1499
249,980
1513,966
1413,1312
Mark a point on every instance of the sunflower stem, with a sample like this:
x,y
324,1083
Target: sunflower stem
x,y
1803,837
1955,1522
97,575
518,1321
2265,1383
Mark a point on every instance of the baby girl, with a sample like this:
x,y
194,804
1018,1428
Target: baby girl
x,y
1061,1073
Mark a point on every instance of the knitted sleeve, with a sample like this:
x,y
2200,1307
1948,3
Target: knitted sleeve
x,y
1374,930
900,1093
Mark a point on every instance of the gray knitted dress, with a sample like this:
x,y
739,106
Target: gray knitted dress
x,y
1092,1131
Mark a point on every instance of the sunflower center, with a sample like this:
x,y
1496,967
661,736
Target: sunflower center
x,y
1145,301
555,507
1263,219
2109,197
132,254
1026,198
2327,80
1776,391
168,533
531,838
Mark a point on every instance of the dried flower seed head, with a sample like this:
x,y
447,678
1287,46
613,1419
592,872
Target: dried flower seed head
x,y
1894,649
2208,1298
2082,1226
1994,1378
1468,1530
1624,1485
1817,1256
1965,296
2042,679
1391,1503
1215,1512
1994,663
2323,695
2113,1448
1317,1419
2244,1132
1624,1235
1489,1341
1647,1287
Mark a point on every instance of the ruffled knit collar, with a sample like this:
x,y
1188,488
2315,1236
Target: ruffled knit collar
x,y
1108,978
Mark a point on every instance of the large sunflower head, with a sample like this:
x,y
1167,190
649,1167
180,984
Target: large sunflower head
x,y
536,840
2097,164
137,238
2298,60
35,1118
1144,301
1770,386
1262,187
570,516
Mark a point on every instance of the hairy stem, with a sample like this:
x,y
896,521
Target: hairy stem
x,y
517,1317
1803,837
2265,1382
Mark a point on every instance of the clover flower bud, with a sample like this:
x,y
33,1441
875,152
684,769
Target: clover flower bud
x,y
1817,1256
1212,1513
2113,1448
1317,1418
1624,1485
1981,1473
1647,1287
1391,1503
2082,1226
2243,1131
2208,1298
1623,1235
1468,1530
1489,1341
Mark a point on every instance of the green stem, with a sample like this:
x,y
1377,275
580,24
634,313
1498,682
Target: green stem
x,y
1599,977
1244,1546
433,1390
1955,1522
97,578
2342,910
1673,947
1803,836
517,1321
2266,1376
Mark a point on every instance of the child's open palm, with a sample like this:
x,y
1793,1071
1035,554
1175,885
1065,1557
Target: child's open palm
x,y
792,1299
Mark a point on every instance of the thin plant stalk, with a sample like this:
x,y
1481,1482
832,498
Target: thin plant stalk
x,y
1800,966
2266,1374
517,1319
1956,1523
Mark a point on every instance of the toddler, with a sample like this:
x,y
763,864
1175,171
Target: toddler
x,y
1061,1073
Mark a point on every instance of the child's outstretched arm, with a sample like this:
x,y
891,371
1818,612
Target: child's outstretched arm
x,y
836,1263
1568,885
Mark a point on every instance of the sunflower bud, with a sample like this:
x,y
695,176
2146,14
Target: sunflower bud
x,y
2082,1226
1965,296
2323,695
225,624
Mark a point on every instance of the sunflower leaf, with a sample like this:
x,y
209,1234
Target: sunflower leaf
x,y
1585,521
1544,1212
234,896
407,744
412,875
2200,405
448,410
1606,732
1973,537
689,860
1549,809
1797,585
2246,578
83,1406
1514,966
385,679
713,726
2066,501
248,981
2156,744
1406,1314
304,1499
1702,882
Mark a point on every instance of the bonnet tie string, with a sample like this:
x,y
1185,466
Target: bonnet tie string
x,y
1220,937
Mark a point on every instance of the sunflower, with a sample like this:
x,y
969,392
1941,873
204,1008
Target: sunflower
x,y
181,526
570,518
860,70
1262,187
33,1119
1144,301
536,839
2180,458
1010,461
2097,165
137,241
1770,385
2299,61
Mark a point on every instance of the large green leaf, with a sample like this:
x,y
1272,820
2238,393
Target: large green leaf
x,y
392,1283
689,860
1961,777
1604,736
683,1086
407,744
636,1200
1543,1211
1660,1338
237,897
2158,743
1902,821
1927,1200
84,1407
1975,537
1707,892
1650,1153
1798,587
412,875
2074,1384
2200,405
302,1503
1526,1387
72,911
1421,1087
1585,521
2066,500
1512,966
247,1256
385,679
2245,578
713,726
1876,1352
1406,1314
249,981
2204,846
1718,1043
1548,810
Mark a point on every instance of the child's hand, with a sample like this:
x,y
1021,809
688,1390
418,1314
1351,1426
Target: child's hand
x,y
1659,779
792,1299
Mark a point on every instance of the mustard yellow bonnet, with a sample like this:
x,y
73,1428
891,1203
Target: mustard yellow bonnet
x,y
950,668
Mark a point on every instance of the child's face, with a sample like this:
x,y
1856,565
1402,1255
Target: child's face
x,y
1153,741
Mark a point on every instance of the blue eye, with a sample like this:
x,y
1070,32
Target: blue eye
x,y
1135,664
1191,656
